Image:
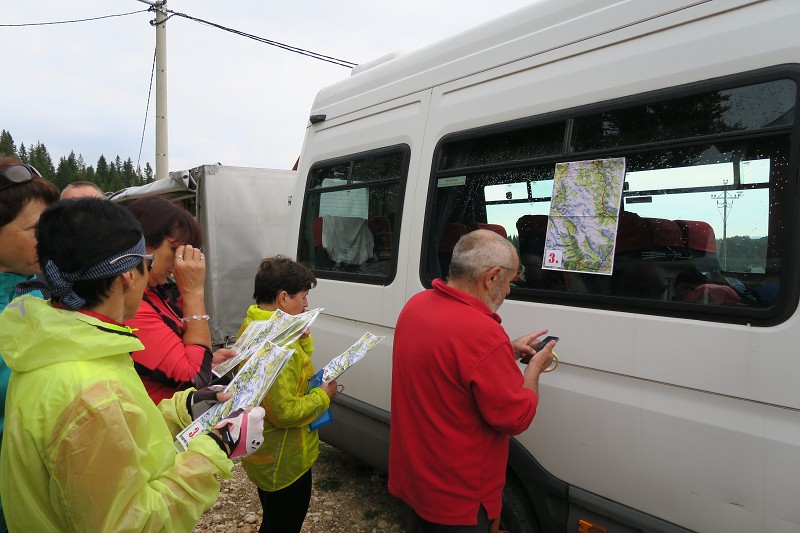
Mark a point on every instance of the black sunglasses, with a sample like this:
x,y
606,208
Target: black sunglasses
x,y
17,174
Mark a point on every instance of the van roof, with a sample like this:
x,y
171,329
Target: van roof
x,y
542,27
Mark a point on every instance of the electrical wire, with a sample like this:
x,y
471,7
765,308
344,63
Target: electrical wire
x,y
71,21
296,50
147,108
315,55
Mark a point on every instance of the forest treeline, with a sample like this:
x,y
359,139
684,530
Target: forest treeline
x,y
111,176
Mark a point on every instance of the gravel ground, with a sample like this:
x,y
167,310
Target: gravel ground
x,y
347,496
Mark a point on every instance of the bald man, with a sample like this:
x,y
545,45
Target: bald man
x,y
82,189
457,392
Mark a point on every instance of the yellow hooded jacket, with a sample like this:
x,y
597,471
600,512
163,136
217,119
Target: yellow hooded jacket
x,y
84,447
289,448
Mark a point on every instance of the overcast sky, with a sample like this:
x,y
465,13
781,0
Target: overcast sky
x,y
84,86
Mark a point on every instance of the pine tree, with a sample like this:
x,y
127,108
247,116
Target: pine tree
x,y
108,176
102,174
128,174
40,158
68,171
7,146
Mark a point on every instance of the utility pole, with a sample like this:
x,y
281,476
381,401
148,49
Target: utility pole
x,y
162,133
725,204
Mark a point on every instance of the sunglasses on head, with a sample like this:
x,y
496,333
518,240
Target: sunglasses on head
x,y
17,174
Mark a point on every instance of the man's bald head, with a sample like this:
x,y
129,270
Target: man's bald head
x,y
82,189
479,250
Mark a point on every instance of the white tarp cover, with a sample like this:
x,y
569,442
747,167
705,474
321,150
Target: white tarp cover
x,y
244,213
178,186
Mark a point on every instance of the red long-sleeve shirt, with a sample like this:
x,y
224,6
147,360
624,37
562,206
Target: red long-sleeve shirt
x,y
175,364
457,396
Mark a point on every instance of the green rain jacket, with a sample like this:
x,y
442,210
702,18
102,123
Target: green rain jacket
x,y
84,447
289,448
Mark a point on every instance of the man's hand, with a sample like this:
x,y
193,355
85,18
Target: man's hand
x,y
540,361
524,345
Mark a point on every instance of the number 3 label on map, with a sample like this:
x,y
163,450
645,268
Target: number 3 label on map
x,y
552,259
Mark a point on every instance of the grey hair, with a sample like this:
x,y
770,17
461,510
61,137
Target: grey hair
x,y
478,251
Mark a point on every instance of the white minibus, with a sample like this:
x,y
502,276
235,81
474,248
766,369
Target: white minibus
x,y
676,406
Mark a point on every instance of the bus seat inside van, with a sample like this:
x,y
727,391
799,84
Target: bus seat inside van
x,y
632,234
497,228
381,230
701,243
450,234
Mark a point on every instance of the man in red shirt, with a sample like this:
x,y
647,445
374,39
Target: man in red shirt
x,y
457,392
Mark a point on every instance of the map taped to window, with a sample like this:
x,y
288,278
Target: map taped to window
x,y
584,212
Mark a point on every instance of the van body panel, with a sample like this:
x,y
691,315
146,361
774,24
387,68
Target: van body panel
x,y
686,422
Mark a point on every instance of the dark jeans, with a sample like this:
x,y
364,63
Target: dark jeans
x,y
420,525
285,509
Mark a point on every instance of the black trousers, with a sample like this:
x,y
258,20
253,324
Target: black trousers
x,y
419,524
285,509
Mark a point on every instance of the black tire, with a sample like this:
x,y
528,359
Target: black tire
x,y
517,515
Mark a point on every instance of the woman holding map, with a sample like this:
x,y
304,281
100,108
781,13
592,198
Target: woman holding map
x,y
85,449
281,467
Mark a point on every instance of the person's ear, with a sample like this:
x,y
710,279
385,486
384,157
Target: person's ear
x,y
492,276
283,298
128,280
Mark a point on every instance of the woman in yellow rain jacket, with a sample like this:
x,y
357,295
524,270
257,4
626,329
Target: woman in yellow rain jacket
x,y
85,449
281,467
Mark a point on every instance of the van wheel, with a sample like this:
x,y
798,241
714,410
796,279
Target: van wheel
x,y
517,515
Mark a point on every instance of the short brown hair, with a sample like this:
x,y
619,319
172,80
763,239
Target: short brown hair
x,y
160,219
279,273
14,199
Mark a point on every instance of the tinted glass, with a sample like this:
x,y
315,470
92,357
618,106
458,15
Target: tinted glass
x,y
701,224
518,145
731,110
350,223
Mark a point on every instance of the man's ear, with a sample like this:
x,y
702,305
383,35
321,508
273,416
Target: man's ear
x,y
491,277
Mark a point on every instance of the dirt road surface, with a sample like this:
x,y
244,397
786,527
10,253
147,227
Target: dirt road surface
x,y
347,496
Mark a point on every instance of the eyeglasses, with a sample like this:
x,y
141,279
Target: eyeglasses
x,y
145,257
520,270
17,175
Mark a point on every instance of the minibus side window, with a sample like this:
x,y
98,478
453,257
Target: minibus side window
x,y
351,219
703,213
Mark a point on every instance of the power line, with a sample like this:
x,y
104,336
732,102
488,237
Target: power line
x,y
315,55
296,50
147,108
71,21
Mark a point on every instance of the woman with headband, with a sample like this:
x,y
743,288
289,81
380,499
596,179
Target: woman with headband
x,y
85,448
